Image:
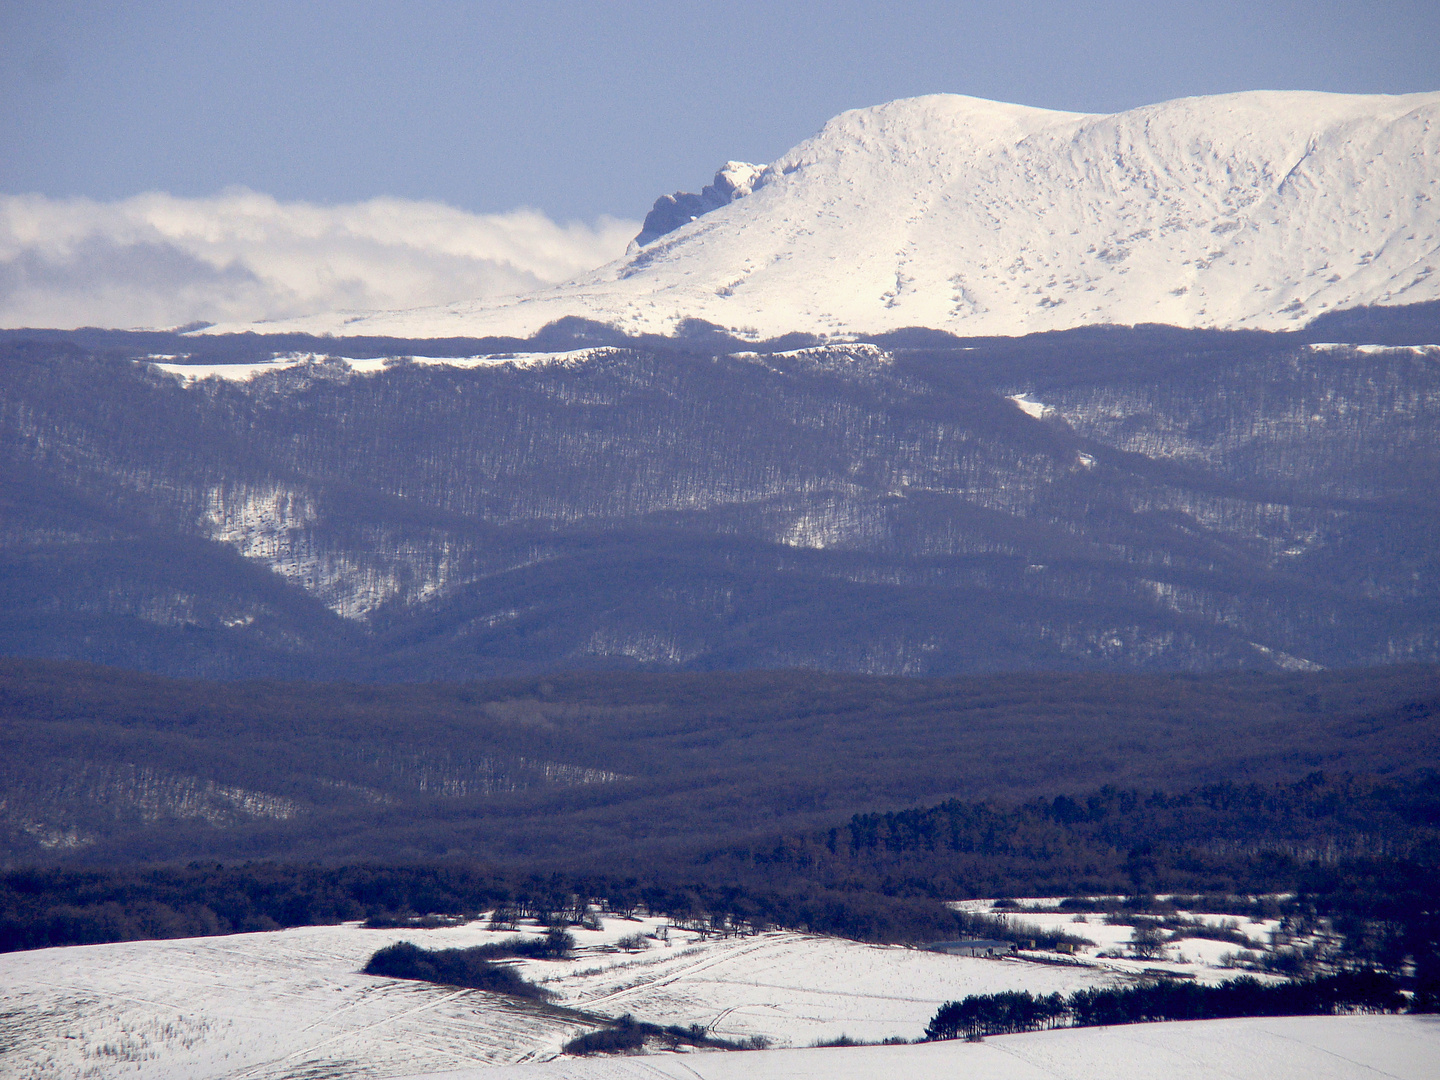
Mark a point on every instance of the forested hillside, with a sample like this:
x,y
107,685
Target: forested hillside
x,y
1143,499
99,765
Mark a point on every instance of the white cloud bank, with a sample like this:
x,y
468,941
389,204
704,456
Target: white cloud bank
x,y
156,260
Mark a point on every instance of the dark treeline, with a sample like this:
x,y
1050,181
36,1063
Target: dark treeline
x,y
42,908
1221,838
627,1035
1015,1011
471,968
555,945
882,878
1360,853
39,908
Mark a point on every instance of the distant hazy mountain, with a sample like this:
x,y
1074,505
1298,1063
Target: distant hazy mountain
x,y
1254,210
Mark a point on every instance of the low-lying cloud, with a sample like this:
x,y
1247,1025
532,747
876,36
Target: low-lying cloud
x,y
159,261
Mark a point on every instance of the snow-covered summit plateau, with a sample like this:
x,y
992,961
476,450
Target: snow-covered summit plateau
x,y
1258,210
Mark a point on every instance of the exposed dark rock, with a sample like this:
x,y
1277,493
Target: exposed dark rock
x,y
734,181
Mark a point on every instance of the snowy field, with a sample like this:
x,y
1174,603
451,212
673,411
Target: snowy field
x,y
1287,1048
292,1003
795,990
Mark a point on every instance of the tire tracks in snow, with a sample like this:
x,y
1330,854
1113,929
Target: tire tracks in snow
x,y
671,977
258,1068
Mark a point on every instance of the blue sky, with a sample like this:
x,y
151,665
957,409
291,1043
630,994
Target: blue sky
x,y
587,109
164,162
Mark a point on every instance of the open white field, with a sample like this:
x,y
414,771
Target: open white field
x,y
1288,1048
796,989
292,1003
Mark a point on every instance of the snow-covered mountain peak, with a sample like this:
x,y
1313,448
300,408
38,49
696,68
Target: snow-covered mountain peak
x,y
930,126
1259,210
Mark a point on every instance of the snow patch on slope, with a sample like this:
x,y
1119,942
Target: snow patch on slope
x,y
246,372
1034,409
279,527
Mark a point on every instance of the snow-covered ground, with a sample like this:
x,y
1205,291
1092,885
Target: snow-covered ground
x,y
796,989
1189,957
292,1004
1287,1048
1255,210
281,1003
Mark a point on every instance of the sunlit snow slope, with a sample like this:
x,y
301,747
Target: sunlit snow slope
x,y
1256,210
